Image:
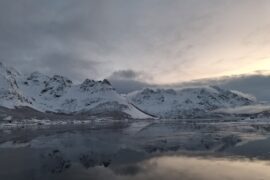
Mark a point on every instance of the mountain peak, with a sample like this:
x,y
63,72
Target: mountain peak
x,y
105,81
8,71
89,84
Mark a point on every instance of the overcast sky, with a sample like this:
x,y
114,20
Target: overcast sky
x,y
150,41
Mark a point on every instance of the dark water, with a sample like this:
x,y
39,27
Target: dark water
x,y
89,159
133,152
258,148
27,164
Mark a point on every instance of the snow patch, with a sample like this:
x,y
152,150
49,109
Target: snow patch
x,y
251,109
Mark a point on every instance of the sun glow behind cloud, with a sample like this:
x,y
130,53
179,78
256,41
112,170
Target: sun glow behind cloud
x,y
260,66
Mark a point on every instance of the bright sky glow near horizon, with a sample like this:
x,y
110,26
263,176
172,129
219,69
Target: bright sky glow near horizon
x,y
157,41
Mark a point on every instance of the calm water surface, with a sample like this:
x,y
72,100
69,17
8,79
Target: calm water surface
x,y
27,164
136,152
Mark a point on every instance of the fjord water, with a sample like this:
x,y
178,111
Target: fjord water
x,y
133,150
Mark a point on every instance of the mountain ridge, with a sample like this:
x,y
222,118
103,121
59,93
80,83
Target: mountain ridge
x,y
58,94
189,102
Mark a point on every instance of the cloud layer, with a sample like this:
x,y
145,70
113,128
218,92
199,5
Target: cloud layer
x,y
170,41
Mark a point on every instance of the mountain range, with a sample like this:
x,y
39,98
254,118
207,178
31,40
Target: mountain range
x,y
59,95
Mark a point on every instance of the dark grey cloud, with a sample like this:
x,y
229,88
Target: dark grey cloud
x,y
68,65
257,85
130,75
125,74
125,81
127,86
53,36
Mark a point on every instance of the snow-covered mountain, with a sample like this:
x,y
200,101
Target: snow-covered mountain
x,y
10,93
58,94
187,102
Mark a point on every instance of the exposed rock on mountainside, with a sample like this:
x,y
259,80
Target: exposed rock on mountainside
x,y
58,94
187,102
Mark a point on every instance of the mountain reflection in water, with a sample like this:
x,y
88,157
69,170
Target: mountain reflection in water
x,y
134,151
166,167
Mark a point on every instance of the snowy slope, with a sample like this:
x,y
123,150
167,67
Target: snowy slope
x,y
10,93
59,94
187,102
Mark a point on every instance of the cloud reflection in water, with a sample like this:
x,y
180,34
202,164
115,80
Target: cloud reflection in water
x,y
179,167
